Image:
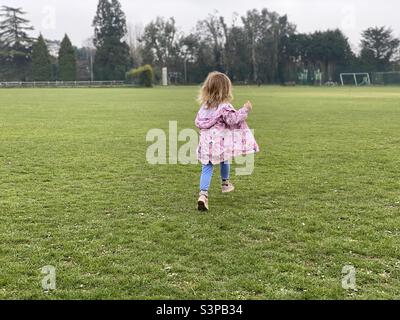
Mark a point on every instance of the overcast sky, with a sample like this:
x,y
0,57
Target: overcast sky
x,y
55,17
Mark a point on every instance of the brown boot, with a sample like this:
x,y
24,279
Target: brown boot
x,y
227,187
203,201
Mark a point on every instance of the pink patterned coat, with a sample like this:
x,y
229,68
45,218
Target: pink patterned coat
x,y
224,134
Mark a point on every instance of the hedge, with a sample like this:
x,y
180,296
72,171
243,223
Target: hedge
x,y
142,76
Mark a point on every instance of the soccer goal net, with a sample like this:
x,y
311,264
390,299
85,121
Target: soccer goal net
x,y
355,79
386,78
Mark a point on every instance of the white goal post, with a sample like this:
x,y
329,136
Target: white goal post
x,y
366,78
165,76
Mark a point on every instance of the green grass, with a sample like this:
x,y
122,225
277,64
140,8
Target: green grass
x,y
76,193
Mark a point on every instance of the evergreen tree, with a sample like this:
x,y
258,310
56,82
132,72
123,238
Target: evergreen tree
x,y
41,62
66,61
112,59
15,44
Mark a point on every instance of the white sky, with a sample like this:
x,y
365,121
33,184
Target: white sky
x,y
55,17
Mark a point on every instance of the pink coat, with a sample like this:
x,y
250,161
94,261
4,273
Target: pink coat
x,y
224,134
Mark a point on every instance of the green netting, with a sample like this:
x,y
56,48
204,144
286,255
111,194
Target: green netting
x,y
386,78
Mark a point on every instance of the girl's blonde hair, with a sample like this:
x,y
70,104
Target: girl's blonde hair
x,y
216,89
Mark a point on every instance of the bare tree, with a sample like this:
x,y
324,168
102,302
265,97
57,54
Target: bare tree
x,y
133,38
214,31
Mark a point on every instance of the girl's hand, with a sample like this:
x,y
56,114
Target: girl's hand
x,y
248,106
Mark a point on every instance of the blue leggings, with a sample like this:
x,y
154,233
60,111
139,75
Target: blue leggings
x,y
207,173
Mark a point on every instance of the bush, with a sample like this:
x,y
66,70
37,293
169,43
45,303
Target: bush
x,y
142,76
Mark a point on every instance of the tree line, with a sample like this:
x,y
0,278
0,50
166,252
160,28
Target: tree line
x,y
24,58
257,47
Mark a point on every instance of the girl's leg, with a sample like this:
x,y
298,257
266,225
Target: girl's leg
x,y
205,182
206,176
225,171
225,175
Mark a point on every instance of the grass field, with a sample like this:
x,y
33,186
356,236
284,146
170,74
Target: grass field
x,y
77,193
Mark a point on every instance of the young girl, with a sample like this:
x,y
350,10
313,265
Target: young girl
x,y
224,133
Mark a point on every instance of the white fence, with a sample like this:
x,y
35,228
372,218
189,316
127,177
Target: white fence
x,y
65,84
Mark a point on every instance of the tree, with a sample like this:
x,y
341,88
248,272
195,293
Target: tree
x,y
84,58
269,47
142,76
3,61
161,48
66,61
327,50
214,32
253,22
16,45
160,42
41,62
196,58
112,59
266,32
236,54
378,48
284,31
135,34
